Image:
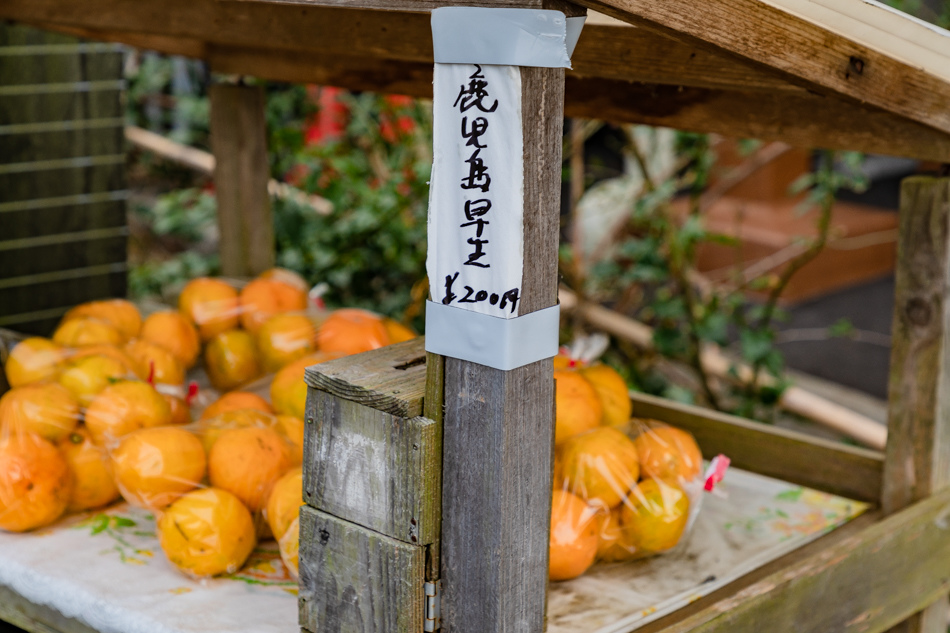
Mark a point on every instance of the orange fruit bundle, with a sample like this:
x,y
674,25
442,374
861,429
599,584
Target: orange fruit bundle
x,y
636,487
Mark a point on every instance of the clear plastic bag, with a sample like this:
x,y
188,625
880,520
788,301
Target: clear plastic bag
x,y
635,485
209,484
642,489
104,415
268,324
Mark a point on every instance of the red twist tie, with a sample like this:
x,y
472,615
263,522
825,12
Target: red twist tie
x,y
192,393
151,373
716,471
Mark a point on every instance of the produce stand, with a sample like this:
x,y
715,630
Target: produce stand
x,y
472,455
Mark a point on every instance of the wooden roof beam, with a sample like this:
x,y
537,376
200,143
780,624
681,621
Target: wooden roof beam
x,y
634,74
844,48
801,118
608,48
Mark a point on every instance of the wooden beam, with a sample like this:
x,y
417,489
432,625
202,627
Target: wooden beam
x,y
918,448
799,118
203,162
889,70
239,144
864,583
843,470
429,5
608,48
918,451
689,85
498,426
785,37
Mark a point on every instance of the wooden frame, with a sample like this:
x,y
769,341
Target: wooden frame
x,y
674,70
838,74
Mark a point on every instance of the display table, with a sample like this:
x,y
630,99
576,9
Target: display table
x,y
106,570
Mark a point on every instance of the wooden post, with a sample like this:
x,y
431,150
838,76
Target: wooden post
x,y
918,448
498,426
239,144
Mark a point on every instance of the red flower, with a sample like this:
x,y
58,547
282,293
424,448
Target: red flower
x,y
330,120
398,101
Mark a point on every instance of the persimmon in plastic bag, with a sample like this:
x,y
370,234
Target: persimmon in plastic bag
x,y
32,360
352,331
208,484
35,482
212,305
284,338
156,466
641,489
35,479
207,532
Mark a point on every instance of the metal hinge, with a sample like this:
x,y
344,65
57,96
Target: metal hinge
x,y
433,593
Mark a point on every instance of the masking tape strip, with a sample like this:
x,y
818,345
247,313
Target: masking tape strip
x,y
491,341
505,37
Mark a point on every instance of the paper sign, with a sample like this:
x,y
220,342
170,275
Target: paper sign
x,y
476,195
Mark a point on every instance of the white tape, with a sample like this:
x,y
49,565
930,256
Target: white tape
x,y
504,37
500,343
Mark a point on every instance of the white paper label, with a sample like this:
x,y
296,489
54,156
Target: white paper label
x,y
476,195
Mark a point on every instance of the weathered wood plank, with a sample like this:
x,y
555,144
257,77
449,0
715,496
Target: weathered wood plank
x,y
784,45
429,5
800,119
353,580
239,144
434,409
355,49
390,379
498,436
851,472
373,468
886,74
607,49
864,583
918,445
796,117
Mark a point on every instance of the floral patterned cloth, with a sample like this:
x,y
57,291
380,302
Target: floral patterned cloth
x,y
107,570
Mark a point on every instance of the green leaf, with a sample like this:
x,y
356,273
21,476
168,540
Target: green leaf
x,y
800,184
842,328
714,328
100,524
790,495
679,394
755,344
